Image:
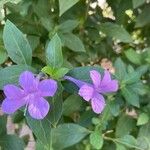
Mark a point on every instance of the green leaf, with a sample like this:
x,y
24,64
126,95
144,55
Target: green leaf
x,y
10,74
72,42
56,73
11,142
59,73
96,140
114,108
135,76
143,19
56,106
130,96
120,147
3,55
65,5
68,26
41,129
16,44
54,52
34,41
116,31
72,104
128,141
120,69
142,119
66,135
137,3
3,121
124,125
133,56
144,136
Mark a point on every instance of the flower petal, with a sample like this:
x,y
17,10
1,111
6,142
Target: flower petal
x,y
86,92
106,78
98,103
96,78
38,108
13,92
112,86
28,82
9,106
47,87
79,83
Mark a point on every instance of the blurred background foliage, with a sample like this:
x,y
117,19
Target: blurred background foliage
x,y
113,34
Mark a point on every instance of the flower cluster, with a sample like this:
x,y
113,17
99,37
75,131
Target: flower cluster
x,y
32,91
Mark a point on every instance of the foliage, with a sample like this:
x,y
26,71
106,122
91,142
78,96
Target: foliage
x,y
59,37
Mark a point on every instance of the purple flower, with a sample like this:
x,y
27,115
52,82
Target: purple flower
x,y
30,94
93,92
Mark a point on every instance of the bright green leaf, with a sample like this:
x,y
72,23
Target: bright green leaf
x,y
96,140
142,119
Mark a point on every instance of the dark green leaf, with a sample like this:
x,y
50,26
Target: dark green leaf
x,y
65,5
72,104
124,125
137,3
3,121
66,135
41,129
116,31
72,42
68,26
56,106
3,55
16,44
11,142
54,52
143,19
130,96
120,69
133,56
